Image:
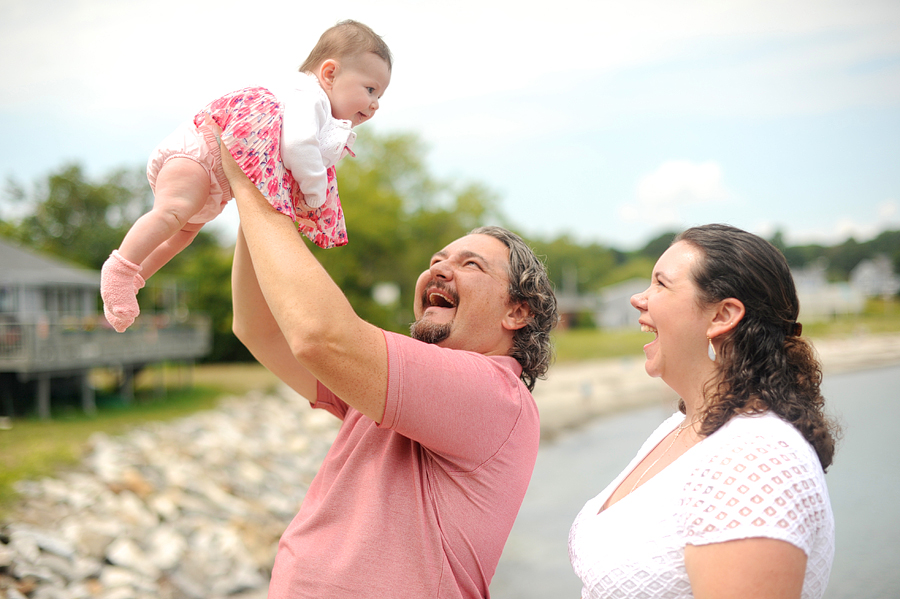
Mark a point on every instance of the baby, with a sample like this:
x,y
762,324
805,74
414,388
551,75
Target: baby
x,y
287,140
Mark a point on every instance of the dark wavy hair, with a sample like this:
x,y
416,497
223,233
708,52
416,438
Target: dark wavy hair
x,y
528,283
762,365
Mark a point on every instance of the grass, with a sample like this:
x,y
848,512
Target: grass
x,y
33,448
577,345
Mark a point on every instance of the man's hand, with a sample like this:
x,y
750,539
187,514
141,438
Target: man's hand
x,y
232,171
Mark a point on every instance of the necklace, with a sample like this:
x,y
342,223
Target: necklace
x,y
680,428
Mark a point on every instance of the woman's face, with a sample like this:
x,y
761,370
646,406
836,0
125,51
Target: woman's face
x,y
670,309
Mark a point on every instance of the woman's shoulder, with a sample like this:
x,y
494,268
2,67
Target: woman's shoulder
x,y
757,477
762,446
765,429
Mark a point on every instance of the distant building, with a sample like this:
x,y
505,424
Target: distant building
x,y
51,331
821,299
614,304
875,277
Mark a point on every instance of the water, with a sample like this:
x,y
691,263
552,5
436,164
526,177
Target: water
x,y
864,484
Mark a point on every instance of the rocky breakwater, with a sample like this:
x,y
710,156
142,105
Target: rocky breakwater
x,y
186,509
194,508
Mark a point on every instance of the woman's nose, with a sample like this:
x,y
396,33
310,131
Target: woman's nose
x,y
639,300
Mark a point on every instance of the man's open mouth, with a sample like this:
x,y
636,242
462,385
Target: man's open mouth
x,y
439,299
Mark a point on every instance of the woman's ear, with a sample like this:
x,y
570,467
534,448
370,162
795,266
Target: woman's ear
x,y
728,314
326,73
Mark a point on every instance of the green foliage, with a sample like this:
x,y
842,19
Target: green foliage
x,y
841,259
397,216
574,267
206,267
71,217
657,246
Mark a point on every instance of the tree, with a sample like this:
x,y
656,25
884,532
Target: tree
x,y
576,268
397,216
69,216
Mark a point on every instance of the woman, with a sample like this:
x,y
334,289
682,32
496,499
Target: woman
x,y
727,498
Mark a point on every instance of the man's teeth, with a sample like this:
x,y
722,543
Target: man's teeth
x,y
646,328
441,300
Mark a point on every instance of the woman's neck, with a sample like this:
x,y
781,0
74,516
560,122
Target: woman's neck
x,y
694,398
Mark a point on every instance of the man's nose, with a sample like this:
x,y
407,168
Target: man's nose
x,y
441,270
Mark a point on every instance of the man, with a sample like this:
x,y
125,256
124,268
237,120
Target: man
x,y
440,433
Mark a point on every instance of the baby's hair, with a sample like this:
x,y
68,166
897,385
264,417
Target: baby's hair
x,y
346,40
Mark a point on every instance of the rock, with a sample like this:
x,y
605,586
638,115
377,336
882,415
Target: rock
x,y
190,508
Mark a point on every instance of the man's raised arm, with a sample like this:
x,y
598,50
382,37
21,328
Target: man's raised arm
x,y
316,322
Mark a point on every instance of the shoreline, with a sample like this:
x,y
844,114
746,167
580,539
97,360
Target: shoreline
x,y
575,393
195,507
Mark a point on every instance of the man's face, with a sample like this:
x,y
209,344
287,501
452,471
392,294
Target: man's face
x,y
462,300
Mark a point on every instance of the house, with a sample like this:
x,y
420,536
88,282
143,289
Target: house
x,y
875,277
615,310
821,299
52,333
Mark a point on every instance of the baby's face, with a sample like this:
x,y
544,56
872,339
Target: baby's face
x,y
357,86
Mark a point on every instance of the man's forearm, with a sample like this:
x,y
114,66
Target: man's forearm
x,y
257,329
320,327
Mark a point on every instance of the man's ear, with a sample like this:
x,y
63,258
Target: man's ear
x,y
516,317
728,314
326,73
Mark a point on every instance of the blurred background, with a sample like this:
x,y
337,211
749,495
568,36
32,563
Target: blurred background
x,y
595,129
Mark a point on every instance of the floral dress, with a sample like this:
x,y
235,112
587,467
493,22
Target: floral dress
x,y
251,121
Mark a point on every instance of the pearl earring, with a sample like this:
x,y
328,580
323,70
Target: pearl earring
x,y
711,352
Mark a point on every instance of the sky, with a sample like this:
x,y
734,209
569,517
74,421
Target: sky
x,y
604,120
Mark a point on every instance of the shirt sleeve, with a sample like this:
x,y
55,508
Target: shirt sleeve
x,y
754,485
461,405
303,116
328,401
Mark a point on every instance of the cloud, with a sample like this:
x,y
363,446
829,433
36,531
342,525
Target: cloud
x,y
662,195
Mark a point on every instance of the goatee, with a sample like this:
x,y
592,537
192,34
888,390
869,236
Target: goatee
x,y
429,332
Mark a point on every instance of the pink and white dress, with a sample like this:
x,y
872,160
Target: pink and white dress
x,y
296,175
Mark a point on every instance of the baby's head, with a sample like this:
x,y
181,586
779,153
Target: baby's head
x,y
353,66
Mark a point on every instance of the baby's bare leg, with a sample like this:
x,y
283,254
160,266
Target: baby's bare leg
x,y
182,187
169,249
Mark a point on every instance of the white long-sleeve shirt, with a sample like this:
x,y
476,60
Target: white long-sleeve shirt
x,y
312,140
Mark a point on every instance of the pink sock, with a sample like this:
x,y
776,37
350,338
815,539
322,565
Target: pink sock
x,y
117,288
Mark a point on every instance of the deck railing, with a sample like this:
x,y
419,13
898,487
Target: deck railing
x,y
76,343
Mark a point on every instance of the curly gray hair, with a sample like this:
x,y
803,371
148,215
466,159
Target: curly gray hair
x,y
528,283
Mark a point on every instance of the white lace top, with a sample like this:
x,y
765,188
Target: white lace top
x,y
754,477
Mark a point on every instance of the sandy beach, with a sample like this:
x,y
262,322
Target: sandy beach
x,y
575,393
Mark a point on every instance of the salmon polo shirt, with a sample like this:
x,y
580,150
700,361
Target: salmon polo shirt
x,y
420,506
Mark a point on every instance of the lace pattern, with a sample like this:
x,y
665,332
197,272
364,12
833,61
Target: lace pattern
x,y
755,477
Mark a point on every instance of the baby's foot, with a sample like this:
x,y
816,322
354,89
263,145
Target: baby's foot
x,y
117,288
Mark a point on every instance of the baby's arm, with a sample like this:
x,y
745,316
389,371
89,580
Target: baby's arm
x,y
300,151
